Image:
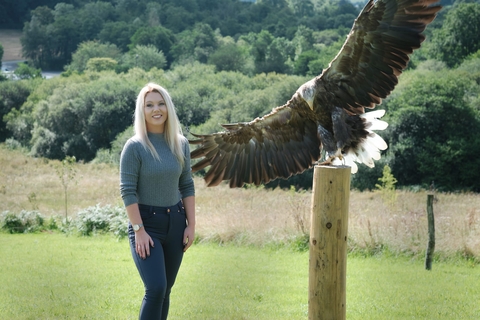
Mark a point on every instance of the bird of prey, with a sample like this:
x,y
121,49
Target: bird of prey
x,y
328,112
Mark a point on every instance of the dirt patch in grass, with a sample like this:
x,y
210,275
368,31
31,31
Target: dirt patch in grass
x,y
10,40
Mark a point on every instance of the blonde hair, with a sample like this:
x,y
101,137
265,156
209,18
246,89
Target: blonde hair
x,y
173,130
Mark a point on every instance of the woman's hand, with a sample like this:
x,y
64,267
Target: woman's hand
x,y
142,243
188,237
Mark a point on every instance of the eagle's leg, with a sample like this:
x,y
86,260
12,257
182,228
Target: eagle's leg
x,y
331,157
341,130
334,143
329,145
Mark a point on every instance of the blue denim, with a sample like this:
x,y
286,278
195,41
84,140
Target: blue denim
x,y
158,271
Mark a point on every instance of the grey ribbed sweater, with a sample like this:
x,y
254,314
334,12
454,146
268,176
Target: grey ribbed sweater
x,y
145,180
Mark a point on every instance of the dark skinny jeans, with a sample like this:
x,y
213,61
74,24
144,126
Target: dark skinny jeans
x,y
158,271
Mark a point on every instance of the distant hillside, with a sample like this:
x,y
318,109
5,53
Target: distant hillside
x,y
10,40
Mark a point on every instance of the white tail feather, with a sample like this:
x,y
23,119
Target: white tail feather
x,y
372,119
369,149
377,141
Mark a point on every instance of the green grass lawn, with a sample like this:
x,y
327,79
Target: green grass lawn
x,y
52,276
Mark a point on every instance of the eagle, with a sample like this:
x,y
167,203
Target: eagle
x,y
326,115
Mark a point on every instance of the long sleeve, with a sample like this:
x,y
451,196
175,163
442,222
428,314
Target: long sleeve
x,y
130,163
185,183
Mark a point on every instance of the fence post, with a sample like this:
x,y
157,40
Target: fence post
x,y
328,243
431,233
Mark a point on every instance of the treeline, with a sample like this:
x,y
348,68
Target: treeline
x,y
203,30
283,36
87,112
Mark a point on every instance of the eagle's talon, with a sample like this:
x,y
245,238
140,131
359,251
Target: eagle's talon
x,y
327,162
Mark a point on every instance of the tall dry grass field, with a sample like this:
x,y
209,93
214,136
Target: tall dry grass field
x,y
257,216
10,40
28,183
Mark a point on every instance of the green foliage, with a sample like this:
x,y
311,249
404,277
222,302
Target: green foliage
x,y
25,222
12,96
230,57
101,64
92,49
144,57
90,221
459,35
117,33
159,37
270,54
387,186
35,39
12,144
366,178
186,31
24,71
51,36
83,117
197,44
92,17
432,117
302,63
97,219
112,155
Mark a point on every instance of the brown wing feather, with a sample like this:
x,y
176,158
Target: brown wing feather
x,y
376,52
280,144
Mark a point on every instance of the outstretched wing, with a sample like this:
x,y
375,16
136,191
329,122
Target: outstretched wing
x,y
280,144
376,52
364,72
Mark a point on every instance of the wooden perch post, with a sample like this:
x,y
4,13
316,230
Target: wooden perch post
x,y
328,243
431,233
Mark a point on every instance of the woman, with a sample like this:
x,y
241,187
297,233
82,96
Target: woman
x,y
158,192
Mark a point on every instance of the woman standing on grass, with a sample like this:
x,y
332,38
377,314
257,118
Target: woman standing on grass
x,y
158,192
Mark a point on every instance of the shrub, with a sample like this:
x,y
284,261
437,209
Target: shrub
x,y
25,222
118,222
13,144
97,219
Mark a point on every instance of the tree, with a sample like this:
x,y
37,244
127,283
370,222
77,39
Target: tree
x,y
430,134
303,40
35,44
302,8
12,96
145,57
101,64
160,37
270,54
63,34
387,186
24,71
229,57
66,172
51,36
301,65
178,18
92,49
118,33
196,44
459,35
84,116
93,16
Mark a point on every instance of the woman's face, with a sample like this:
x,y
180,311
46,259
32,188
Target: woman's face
x,y
156,112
